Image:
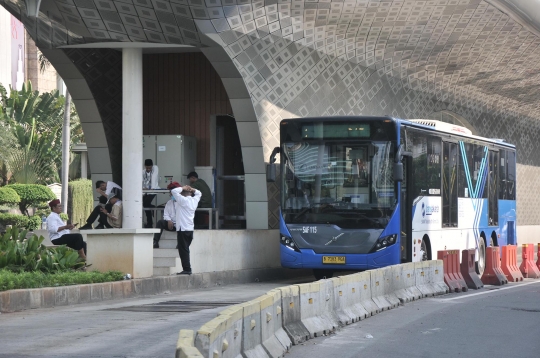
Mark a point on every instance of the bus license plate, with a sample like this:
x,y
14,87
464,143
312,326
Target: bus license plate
x,y
336,260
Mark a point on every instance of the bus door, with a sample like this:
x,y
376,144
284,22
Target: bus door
x,y
406,211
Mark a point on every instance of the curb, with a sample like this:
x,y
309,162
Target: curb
x,y
47,297
267,326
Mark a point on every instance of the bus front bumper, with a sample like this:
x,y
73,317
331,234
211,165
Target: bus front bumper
x,y
307,258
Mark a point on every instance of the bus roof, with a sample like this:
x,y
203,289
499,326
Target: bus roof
x,y
439,126
426,124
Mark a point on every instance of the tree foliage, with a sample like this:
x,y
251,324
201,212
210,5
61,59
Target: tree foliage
x,y
32,195
31,134
9,196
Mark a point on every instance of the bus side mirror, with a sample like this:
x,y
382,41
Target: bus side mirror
x,y
398,171
270,173
271,167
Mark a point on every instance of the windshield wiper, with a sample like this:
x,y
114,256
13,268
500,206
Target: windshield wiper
x,y
301,213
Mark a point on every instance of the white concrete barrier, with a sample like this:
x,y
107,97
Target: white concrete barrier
x,y
256,329
347,299
365,300
429,277
312,306
251,332
327,303
222,336
382,292
292,323
274,339
405,282
185,345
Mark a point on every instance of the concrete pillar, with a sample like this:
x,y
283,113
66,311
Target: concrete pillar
x,y
132,133
84,165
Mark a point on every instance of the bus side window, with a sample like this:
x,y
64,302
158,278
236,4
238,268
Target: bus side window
x,y
419,164
434,165
507,175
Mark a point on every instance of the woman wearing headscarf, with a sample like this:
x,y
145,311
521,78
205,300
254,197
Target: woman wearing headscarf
x,y
59,231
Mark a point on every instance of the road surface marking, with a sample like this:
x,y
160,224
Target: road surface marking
x,y
490,291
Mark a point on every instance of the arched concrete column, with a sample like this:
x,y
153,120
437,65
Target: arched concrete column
x,y
96,142
248,129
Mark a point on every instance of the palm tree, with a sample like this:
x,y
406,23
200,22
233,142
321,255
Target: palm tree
x,y
33,120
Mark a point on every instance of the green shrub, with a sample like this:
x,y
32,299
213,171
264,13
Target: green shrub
x,y
32,195
34,222
18,253
81,200
10,280
16,220
9,196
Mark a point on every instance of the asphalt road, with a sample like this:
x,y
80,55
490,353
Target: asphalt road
x,y
123,328
491,322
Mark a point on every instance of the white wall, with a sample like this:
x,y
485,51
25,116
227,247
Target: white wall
x,y
5,48
225,250
528,234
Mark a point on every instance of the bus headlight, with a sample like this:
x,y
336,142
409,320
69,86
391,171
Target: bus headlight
x,y
288,243
384,242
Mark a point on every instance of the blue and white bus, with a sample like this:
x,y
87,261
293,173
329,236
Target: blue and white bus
x,y
365,192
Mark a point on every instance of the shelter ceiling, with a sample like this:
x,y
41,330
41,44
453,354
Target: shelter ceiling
x,y
487,47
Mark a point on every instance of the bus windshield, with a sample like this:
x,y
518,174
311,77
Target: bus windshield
x,y
347,183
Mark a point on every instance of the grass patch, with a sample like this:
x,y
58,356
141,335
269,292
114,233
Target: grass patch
x,y
15,280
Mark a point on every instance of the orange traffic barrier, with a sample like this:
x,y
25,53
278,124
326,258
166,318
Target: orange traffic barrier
x,y
528,267
467,270
493,275
452,274
509,263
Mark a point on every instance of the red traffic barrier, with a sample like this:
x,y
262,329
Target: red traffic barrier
x,y
467,270
528,267
538,255
493,275
509,263
452,274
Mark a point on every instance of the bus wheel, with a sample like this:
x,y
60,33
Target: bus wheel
x,y
425,247
481,263
322,274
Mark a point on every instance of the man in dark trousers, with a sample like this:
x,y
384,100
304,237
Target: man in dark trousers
x,y
103,189
187,199
206,198
169,216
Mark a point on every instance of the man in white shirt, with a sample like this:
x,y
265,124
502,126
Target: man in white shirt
x,y
103,189
59,231
187,200
150,181
169,216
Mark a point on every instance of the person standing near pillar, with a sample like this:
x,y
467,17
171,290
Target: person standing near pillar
x,y
206,199
150,181
187,199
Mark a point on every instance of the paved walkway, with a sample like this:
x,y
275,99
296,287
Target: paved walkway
x,y
116,328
